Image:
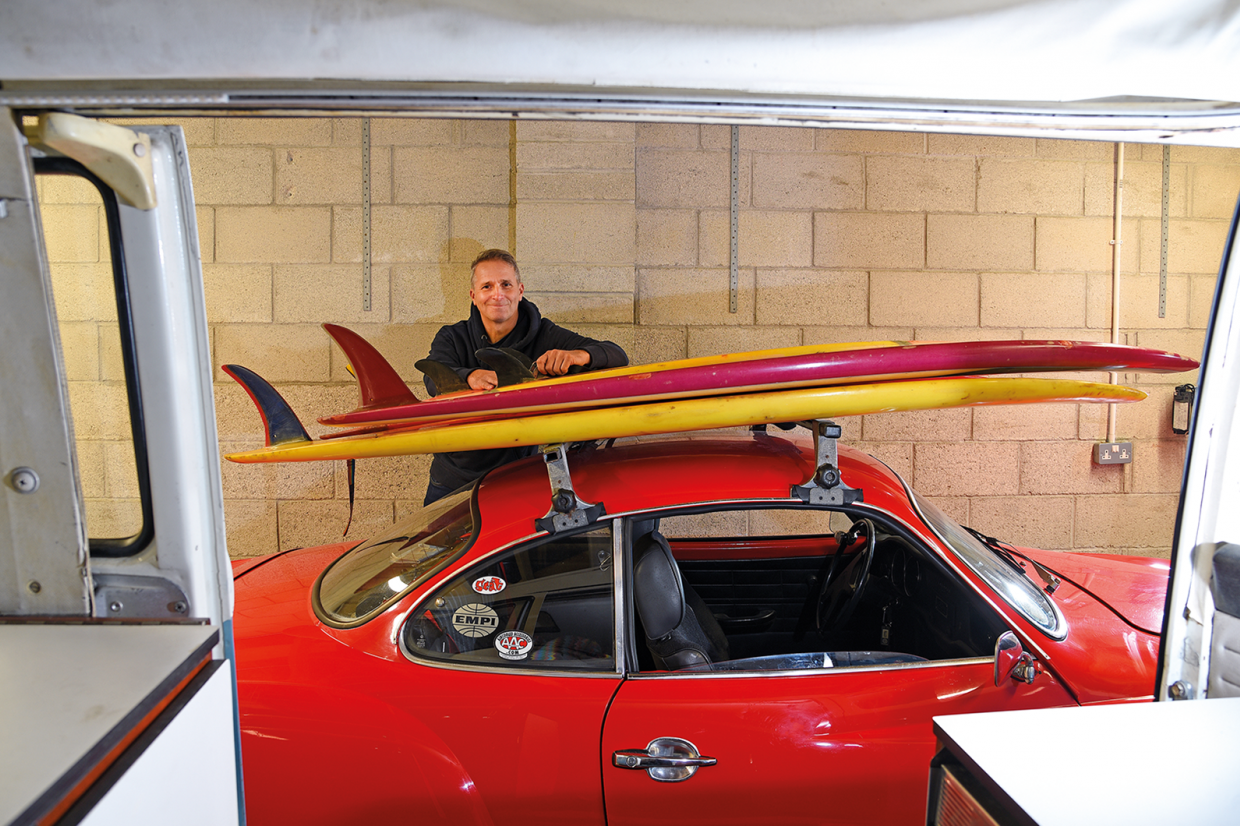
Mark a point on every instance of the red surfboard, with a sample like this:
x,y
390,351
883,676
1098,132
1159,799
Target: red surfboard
x,y
387,399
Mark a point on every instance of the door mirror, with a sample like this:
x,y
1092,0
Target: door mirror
x,y
1012,661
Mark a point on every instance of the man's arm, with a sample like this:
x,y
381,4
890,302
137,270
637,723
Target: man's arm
x,y
562,348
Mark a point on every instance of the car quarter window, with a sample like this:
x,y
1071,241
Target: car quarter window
x,y
547,605
778,589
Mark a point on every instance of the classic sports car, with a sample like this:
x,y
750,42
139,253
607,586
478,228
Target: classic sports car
x,y
718,629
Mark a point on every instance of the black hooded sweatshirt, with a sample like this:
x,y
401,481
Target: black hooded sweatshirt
x,y
455,345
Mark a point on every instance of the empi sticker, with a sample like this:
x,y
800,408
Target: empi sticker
x,y
513,645
489,585
475,620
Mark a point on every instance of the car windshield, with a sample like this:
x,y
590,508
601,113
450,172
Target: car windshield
x,y
1014,587
369,577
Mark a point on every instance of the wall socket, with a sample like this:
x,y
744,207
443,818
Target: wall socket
x,y
1113,453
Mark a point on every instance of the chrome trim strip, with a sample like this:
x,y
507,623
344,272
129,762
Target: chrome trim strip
x,y
619,541
808,672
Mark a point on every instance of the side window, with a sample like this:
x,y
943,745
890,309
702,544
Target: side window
x,y
549,605
81,231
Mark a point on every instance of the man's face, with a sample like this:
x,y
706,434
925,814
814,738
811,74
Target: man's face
x,y
496,291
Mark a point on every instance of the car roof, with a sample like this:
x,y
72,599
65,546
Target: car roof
x,y
652,473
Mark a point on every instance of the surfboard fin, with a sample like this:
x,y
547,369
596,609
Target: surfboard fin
x,y
379,383
510,366
445,378
280,422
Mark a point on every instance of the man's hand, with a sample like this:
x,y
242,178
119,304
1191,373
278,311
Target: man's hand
x,y
557,362
483,380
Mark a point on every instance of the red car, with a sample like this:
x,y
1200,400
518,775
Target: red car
x,y
714,629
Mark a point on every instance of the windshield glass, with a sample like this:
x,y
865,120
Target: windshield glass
x,y
366,579
1014,587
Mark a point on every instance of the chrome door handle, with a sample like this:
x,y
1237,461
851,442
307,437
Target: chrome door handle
x,y
667,759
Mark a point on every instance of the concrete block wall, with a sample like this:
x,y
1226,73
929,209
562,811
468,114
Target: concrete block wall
x,y
622,231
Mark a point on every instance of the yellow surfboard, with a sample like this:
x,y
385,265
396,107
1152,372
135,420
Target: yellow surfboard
x,y
696,414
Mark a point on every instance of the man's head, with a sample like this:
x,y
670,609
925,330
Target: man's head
x,y
495,288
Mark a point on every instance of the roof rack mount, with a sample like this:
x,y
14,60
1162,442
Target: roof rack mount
x,y
826,485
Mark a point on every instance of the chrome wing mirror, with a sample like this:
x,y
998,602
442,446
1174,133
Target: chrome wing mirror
x,y
1012,661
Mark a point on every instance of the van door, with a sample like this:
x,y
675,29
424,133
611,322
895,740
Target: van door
x,y
115,587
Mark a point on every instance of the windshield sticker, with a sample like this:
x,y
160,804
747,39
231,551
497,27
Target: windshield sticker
x,y
489,585
513,645
475,620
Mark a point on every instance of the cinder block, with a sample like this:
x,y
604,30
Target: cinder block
x,y
575,131
347,132
711,341
1025,422
274,131
1158,466
288,480
576,278
450,175
319,176
811,180
79,342
83,292
1030,186
278,353
775,139
1201,154
232,175
250,527
814,297
477,228
693,296
273,235
91,469
401,344
1124,522
332,292
1030,521
66,189
576,186
921,298
764,239
1201,290
957,507
896,455
667,237
1142,190
675,178
107,518
1192,246
487,132
71,232
652,345
347,234
383,478
967,469
430,293
979,242
849,333
574,156
927,333
198,131
1065,467
100,410
409,234
1033,300
1214,190
1084,244
586,233
1138,296
412,131
981,146
206,233
668,135
917,183
869,143
1098,303
238,292
1066,150
1186,342
919,426
1144,420
588,308
121,470
869,240
111,359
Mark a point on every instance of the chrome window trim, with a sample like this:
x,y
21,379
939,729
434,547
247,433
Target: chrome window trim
x,y
809,672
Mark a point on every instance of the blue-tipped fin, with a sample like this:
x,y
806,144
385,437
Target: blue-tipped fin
x,y
279,420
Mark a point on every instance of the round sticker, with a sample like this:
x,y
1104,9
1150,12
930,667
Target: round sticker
x,y
489,585
475,620
513,645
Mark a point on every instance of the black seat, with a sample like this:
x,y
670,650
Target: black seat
x,y
680,630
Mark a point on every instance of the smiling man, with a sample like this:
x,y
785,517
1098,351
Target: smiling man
x,y
502,317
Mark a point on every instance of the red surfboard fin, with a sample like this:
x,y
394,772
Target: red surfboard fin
x,y
380,385
442,376
279,421
510,366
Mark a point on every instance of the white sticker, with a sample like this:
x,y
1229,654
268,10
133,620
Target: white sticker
x,y
513,645
475,620
489,585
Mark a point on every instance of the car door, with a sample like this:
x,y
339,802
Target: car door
x,y
825,743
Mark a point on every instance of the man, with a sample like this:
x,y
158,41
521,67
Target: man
x,y
502,317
